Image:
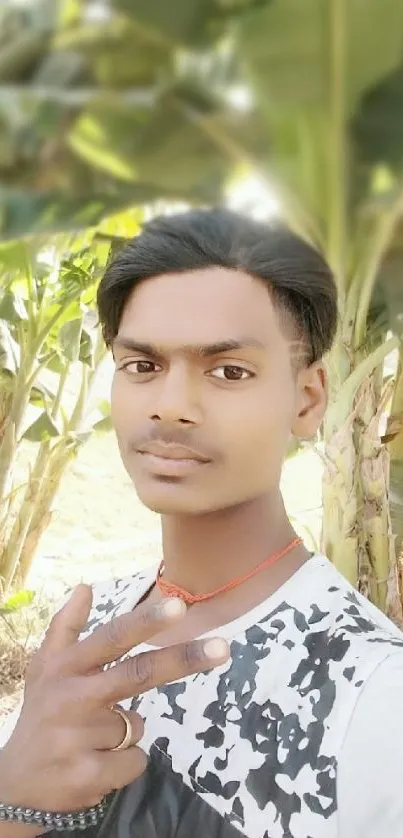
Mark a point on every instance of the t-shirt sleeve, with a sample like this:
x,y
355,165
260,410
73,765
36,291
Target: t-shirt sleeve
x,y
370,770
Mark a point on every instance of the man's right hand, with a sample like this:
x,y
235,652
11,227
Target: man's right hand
x,y
59,757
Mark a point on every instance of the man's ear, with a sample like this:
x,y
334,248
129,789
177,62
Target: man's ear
x,y
311,400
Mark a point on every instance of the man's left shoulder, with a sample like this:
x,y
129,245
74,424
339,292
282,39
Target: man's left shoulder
x,y
351,611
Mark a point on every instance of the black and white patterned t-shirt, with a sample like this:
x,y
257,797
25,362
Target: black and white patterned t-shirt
x,y
252,747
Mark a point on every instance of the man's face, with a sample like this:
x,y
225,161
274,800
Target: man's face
x,y
235,407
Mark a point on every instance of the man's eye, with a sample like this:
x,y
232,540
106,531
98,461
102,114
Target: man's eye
x,y
138,367
232,373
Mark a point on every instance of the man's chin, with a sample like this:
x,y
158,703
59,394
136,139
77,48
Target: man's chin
x,y
172,506
172,498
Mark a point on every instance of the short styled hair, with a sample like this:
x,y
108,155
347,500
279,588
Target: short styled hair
x,y
299,281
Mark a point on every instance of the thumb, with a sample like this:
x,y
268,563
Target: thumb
x,y
68,622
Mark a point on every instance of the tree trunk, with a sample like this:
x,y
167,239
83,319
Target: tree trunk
x,y
395,430
357,532
42,514
340,531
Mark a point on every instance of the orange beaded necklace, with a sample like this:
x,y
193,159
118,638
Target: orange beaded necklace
x,y
169,589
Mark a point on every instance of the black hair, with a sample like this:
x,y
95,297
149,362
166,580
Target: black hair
x,y
299,281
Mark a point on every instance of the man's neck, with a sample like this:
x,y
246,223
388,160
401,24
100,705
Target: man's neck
x,y
205,552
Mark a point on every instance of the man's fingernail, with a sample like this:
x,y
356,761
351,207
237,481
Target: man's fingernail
x,y
216,649
173,607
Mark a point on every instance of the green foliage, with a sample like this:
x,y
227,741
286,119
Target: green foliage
x,y
17,602
79,126
183,22
47,331
331,57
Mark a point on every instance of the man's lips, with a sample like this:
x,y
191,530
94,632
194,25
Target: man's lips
x,y
171,460
171,451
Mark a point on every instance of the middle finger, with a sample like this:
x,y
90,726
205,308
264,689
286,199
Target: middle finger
x,y
142,672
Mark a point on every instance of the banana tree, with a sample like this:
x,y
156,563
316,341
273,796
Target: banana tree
x,y
393,437
47,331
311,92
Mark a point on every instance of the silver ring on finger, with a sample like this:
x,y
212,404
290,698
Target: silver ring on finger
x,y
127,739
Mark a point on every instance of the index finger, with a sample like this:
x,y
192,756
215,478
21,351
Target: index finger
x,y
114,639
69,621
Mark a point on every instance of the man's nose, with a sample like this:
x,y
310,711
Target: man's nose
x,y
177,397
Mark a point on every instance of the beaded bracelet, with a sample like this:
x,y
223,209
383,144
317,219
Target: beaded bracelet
x,y
59,821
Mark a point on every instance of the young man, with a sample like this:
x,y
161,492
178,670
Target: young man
x,y
218,326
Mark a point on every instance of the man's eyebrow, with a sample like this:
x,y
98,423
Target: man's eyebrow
x,y
203,350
